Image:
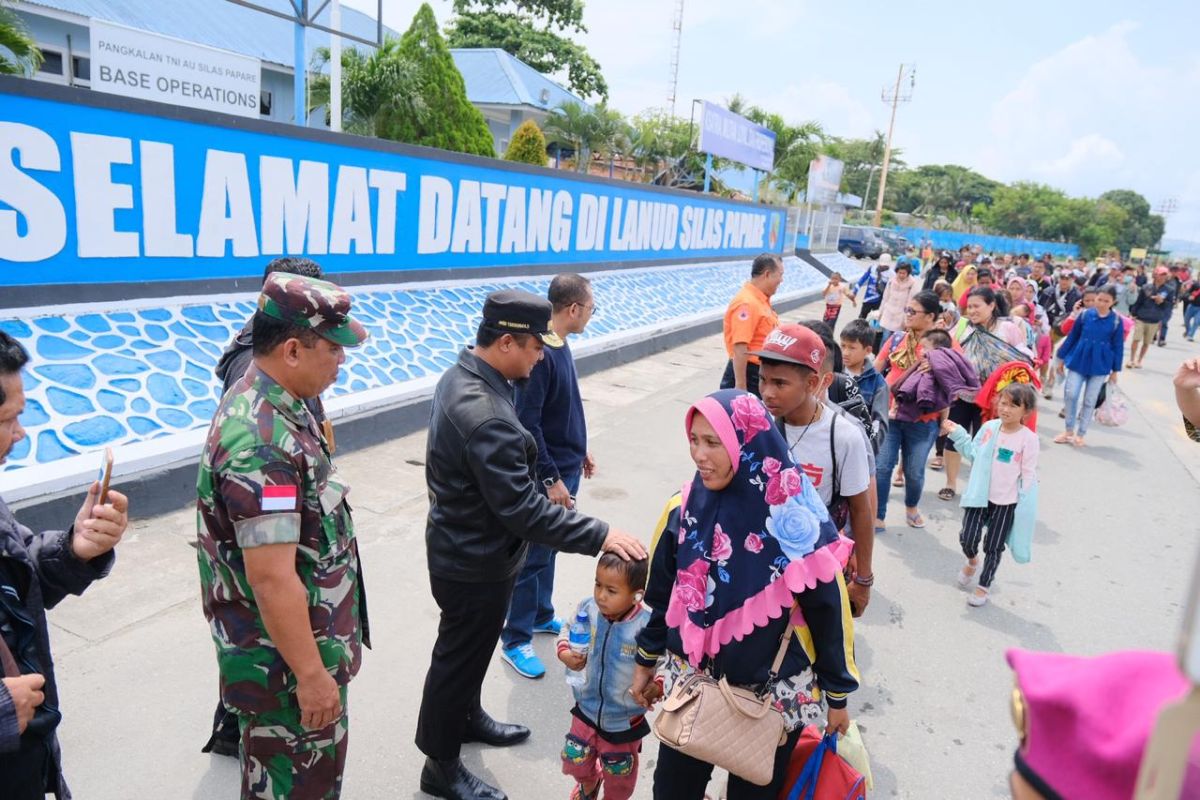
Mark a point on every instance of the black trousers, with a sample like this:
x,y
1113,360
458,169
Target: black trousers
x,y
24,774
472,618
680,777
728,379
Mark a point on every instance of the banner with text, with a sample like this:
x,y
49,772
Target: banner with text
x,y
97,195
137,63
729,135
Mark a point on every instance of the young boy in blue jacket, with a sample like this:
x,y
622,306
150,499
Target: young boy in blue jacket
x,y
858,356
608,727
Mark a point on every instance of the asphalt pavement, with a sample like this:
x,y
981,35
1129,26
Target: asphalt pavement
x,y
1112,557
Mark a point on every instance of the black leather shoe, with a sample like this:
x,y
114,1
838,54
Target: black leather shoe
x,y
451,780
482,728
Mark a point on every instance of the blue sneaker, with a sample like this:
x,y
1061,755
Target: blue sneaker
x,y
522,659
553,627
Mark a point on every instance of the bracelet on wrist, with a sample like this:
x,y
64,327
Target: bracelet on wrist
x,y
867,581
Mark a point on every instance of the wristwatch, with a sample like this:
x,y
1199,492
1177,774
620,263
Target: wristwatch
x,y
548,482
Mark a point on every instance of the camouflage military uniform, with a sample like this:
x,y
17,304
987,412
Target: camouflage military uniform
x,y
266,477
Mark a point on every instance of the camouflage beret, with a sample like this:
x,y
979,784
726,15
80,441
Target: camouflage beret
x,y
320,306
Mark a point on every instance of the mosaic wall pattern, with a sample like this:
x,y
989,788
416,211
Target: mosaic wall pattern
x,y
114,377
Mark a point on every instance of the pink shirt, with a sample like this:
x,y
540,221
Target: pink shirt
x,y
1014,461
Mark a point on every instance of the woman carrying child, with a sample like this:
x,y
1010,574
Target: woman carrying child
x,y
1090,355
1005,456
836,292
746,558
608,723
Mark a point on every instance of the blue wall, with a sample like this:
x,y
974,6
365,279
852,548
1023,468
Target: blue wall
x,y
953,240
95,189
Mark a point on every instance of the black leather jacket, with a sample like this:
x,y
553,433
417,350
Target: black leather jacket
x,y
485,503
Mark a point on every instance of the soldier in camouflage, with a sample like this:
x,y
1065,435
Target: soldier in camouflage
x,y
279,564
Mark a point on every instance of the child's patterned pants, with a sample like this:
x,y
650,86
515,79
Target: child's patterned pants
x,y
588,758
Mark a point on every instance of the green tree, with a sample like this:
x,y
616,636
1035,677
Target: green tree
x,y
19,54
451,122
528,145
377,88
1142,229
574,125
610,134
535,31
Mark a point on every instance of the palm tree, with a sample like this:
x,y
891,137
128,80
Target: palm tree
x,y
19,54
610,134
375,88
573,124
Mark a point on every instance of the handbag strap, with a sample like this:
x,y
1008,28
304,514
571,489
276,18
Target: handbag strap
x,y
784,641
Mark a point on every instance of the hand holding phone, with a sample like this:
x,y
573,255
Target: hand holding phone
x,y
104,475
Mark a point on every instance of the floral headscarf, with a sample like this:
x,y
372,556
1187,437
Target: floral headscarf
x,y
746,550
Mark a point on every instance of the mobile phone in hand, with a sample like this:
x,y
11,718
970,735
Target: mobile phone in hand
x,y
104,474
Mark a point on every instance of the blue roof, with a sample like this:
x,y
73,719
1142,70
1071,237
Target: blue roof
x,y
495,77
220,24
492,75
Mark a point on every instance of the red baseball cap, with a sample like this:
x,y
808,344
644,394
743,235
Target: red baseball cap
x,y
794,344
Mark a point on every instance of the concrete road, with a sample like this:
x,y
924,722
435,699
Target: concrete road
x,y
1112,558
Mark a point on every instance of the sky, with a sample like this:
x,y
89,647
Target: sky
x,y
1084,96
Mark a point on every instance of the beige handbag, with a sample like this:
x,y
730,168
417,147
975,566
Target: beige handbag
x,y
728,726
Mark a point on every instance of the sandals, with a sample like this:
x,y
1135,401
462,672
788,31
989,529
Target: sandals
x,y
978,598
967,573
898,480
880,526
937,462
914,519
1066,437
947,494
1078,441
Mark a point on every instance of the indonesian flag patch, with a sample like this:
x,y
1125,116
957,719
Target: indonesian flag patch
x,y
279,498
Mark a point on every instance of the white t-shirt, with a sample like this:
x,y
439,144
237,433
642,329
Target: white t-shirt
x,y
811,449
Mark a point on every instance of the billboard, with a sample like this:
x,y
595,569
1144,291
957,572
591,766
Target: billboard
x,y
137,63
729,135
824,180
131,193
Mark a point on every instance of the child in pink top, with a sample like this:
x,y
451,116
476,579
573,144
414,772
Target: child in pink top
x,y
1005,454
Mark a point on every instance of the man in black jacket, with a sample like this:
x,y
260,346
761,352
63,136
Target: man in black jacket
x,y
37,570
485,506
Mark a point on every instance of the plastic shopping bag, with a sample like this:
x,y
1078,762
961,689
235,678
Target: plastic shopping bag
x,y
850,747
1115,411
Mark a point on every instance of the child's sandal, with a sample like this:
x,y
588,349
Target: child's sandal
x,y
967,573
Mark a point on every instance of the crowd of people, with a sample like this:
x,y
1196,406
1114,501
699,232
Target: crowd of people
x,y
758,566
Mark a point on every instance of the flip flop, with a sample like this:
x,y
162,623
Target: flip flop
x,y
880,527
946,494
898,480
914,520
936,463
1064,438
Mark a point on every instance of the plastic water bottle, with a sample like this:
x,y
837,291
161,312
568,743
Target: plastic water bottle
x,y
579,639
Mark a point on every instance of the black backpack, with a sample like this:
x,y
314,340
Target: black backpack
x,y
844,391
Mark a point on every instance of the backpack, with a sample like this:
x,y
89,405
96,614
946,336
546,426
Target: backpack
x,y
839,507
845,392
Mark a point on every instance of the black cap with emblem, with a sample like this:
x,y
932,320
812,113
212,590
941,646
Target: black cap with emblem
x,y
515,311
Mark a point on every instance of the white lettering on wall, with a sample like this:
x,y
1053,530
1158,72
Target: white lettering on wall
x,y
293,208
98,196
226,213
45,219
160,234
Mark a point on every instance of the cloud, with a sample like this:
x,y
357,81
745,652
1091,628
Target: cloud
x,y
1090,117
1089,152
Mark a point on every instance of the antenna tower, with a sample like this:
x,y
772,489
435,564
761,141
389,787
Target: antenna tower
x,y
676,36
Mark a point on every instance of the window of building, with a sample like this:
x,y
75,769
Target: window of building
x,y
264,104
52,63
81,68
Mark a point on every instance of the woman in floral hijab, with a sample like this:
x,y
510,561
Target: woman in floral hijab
x,y
745,552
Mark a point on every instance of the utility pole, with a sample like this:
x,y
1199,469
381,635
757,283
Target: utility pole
x,y
1165,209
895,99
677,37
